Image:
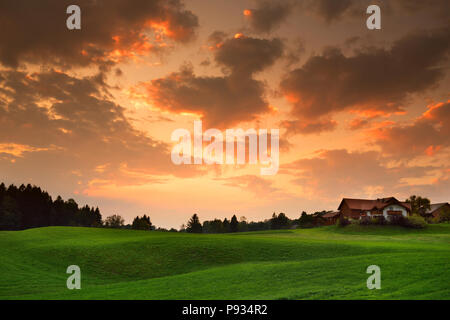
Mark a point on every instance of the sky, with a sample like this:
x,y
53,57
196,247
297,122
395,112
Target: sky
x,y
88,114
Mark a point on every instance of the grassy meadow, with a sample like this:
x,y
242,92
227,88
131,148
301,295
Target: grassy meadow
x,y
319,263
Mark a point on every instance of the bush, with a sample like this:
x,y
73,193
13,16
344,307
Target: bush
x,y
435,220
114,221
398,221
415,221
306,225
445,215
342,222
379,221
366,221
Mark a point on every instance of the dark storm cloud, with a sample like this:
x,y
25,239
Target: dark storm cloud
x,y
225,100
268,15
330,9
111,30
442,6
220,100
371,81
217,37
246,55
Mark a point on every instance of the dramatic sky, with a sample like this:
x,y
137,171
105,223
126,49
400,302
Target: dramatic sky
x,y
88,114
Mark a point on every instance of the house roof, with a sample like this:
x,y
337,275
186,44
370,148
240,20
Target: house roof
x,y
369,204
436,206
331,214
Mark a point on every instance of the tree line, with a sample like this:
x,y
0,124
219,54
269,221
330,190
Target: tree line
x,y
29,206
276,222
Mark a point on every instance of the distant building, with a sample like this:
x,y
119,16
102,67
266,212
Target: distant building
x,y
331,217
386,207
436,209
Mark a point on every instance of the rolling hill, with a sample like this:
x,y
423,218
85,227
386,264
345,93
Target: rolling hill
x,y
320,263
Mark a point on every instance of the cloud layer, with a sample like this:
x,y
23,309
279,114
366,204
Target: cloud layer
x,y
70,128
221,100
372,81
111,30
427,135
333,174
268,15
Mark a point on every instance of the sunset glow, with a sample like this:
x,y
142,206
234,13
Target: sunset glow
x,y
89,113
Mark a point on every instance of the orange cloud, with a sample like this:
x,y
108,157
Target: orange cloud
x,y
371,83
220,100
333,174
370,111
81,136
431,150
428,134
434,110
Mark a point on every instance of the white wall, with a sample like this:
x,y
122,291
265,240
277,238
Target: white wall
x,y
394,207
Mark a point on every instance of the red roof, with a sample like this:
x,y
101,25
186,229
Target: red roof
x,y
367,204
331,214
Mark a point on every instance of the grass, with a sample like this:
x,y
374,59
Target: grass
x,y
320,263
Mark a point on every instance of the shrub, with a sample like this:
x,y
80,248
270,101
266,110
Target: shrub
x,y
365,221
398,221
434,220
307,225
342,222
379,221
415,221
445,215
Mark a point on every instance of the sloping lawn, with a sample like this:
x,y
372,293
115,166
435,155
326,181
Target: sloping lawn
x,y
319,263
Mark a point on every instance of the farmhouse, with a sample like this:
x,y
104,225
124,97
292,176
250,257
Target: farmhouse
x,y
436,209
386,207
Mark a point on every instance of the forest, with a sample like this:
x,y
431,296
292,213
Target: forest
x,y
29,206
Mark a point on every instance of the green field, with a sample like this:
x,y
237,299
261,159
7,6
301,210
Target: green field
x,y
320,263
